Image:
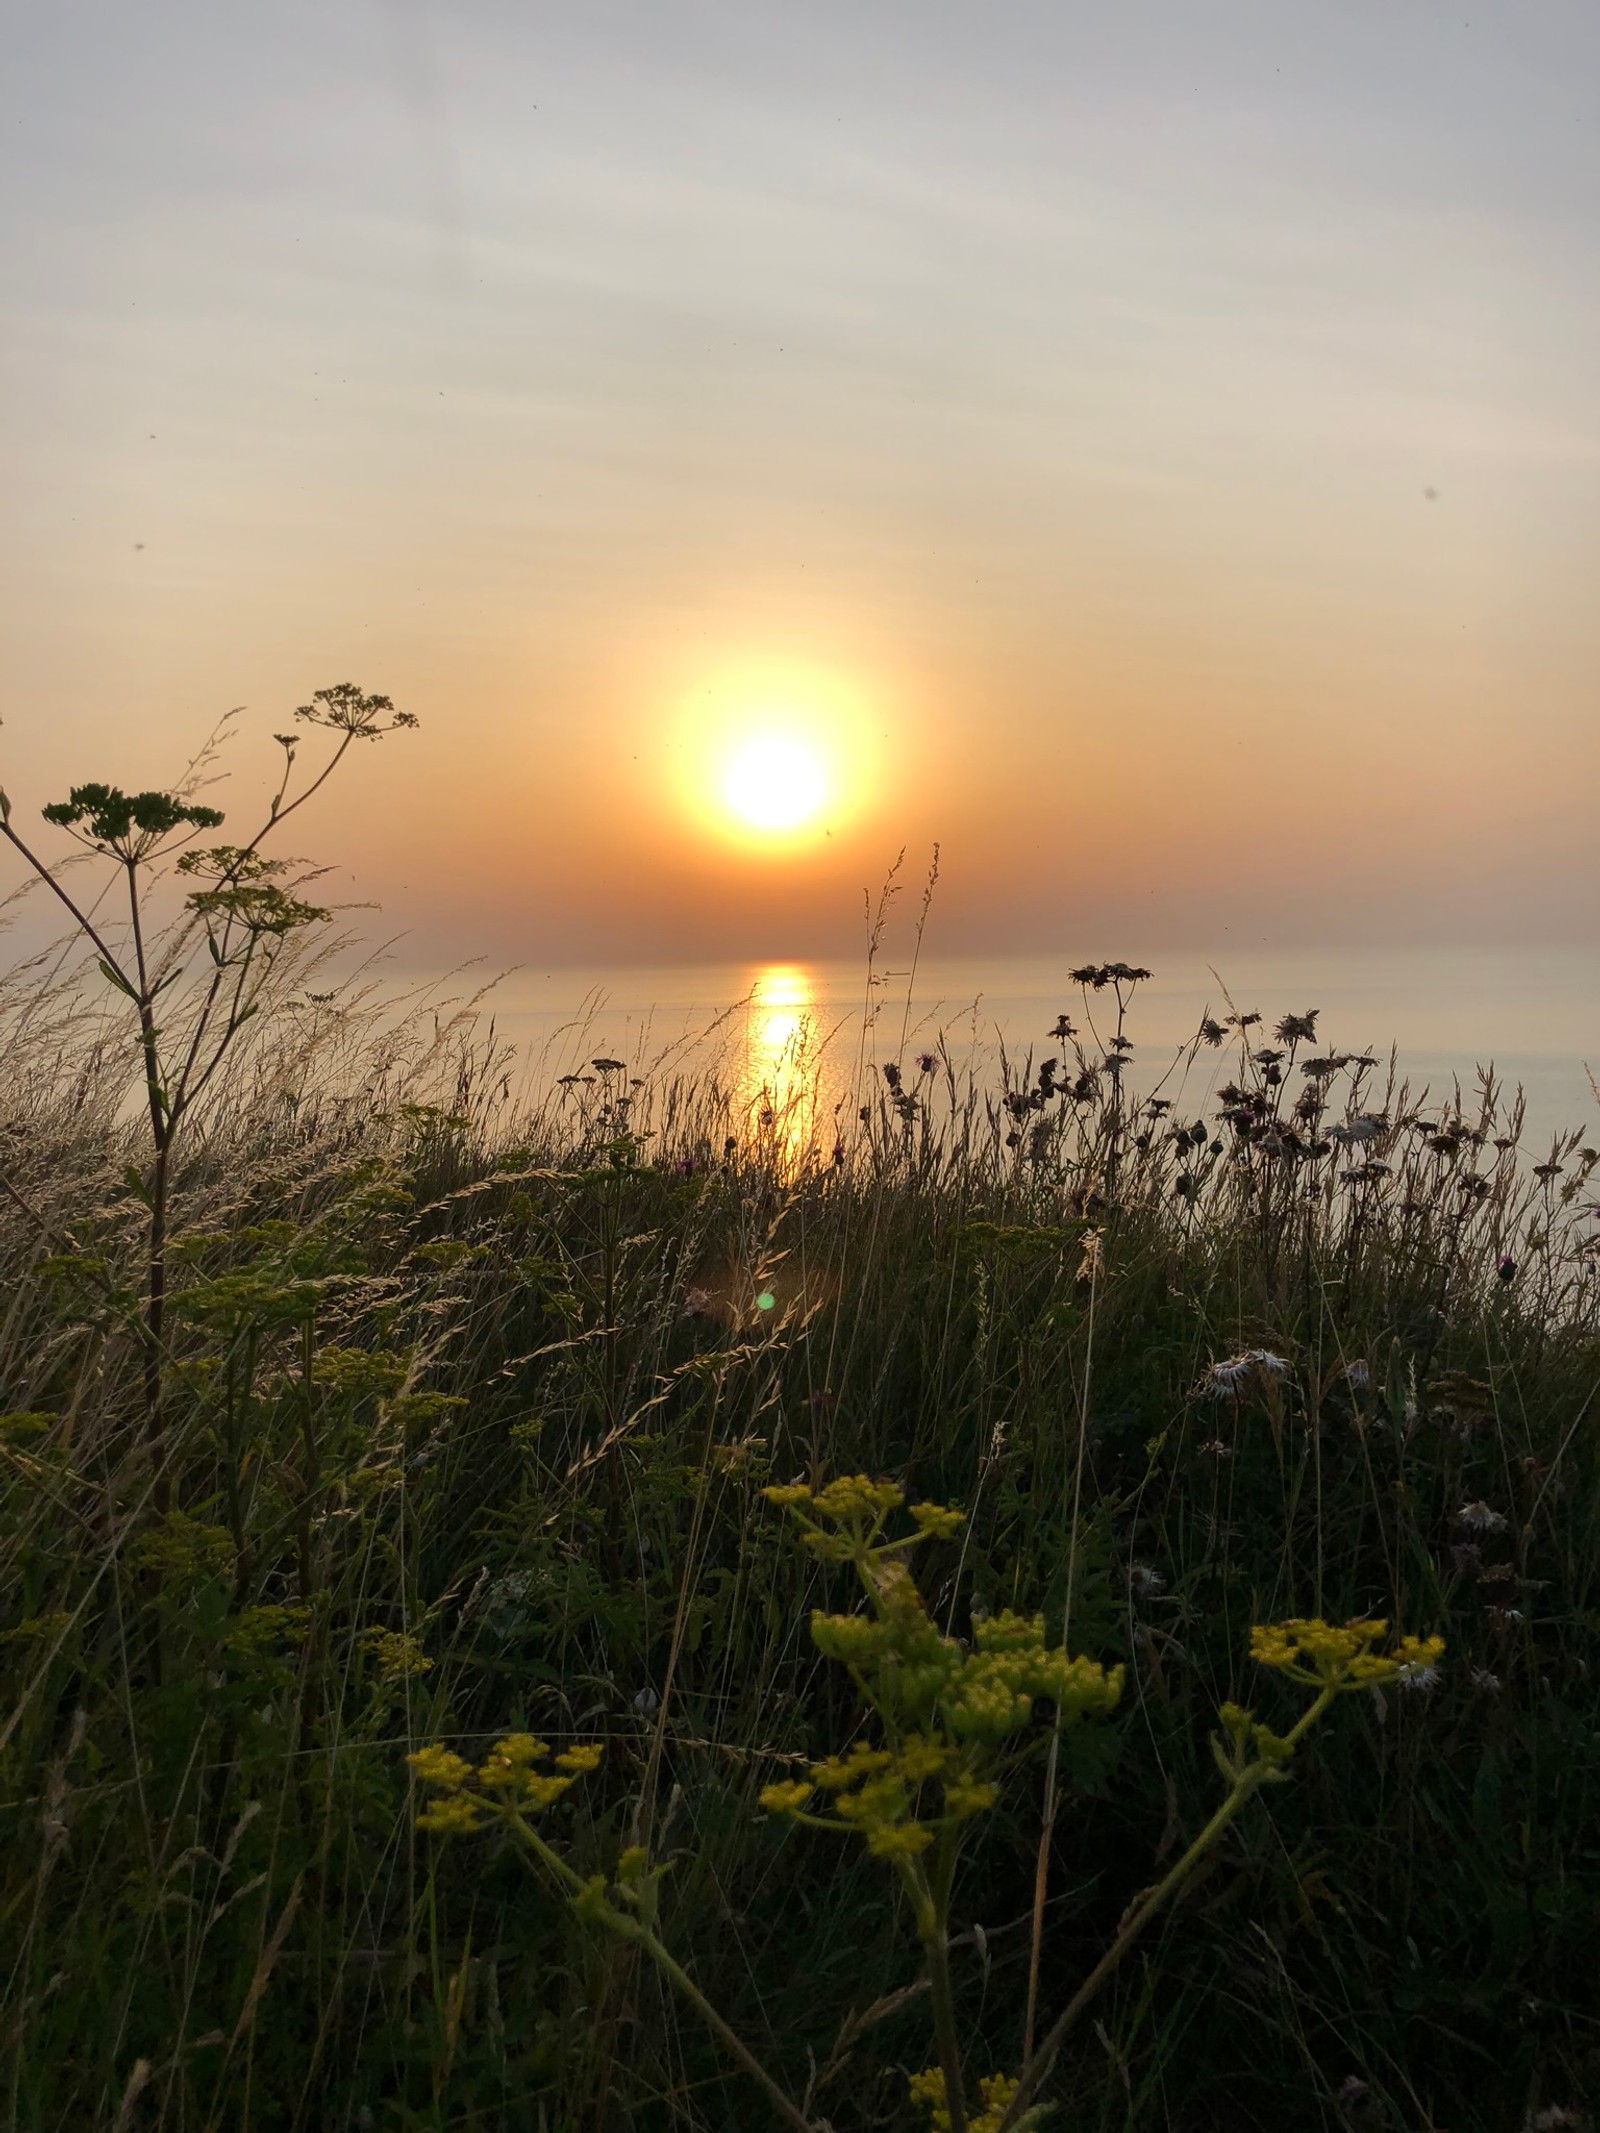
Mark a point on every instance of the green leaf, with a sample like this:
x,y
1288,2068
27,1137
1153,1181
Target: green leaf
x,y
114,977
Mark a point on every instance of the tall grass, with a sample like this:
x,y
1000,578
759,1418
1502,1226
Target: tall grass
x,y
467,1406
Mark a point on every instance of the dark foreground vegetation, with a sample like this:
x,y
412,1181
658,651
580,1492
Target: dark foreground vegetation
x,y
454,1422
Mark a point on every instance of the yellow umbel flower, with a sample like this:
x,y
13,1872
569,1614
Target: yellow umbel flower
x,y
787,1798
510,1780
439,1767
936,1521
580,1761
1320,1655
452,1816
857,1497
928,2089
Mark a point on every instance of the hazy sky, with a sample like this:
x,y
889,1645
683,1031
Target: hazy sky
x,y
1159,446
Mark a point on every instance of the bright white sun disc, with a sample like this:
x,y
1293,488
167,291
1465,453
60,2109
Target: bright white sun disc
x,y
773,782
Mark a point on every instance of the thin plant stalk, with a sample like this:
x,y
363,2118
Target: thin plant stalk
x,y
1037,2065
1041,1874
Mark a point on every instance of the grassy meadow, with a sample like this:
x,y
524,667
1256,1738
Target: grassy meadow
x,y
451,1420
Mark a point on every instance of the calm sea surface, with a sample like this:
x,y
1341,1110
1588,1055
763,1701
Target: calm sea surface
x,y
1534,1017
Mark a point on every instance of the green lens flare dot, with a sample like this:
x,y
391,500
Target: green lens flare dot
x,y
766,1300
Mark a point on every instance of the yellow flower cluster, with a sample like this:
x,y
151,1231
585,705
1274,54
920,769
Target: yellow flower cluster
x,y
1320,1655
185,1550
877,1791
855,1507
929,2090
956,1706
398,1654
993,1691
985,1695
509,1781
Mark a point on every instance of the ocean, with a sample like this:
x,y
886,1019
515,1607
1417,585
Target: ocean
x,y
1531,1017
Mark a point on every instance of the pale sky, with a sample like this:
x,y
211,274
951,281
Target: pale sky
x,y
1158,446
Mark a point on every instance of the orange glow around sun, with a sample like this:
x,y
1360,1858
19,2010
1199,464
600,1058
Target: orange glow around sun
x,y
773,764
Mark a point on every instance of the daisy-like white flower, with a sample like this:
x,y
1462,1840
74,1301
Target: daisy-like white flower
x,y
1420,1677
1143,1582
1230,1375
1480,1517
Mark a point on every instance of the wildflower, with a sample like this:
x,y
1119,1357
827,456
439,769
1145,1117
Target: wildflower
x,y
1507,1268
508,1782
1214,1448
926,1062
1294,1029
185,1549
1485,1682
1143,1582
969,1796
1500,1585
1478,1517
1232,1375
996,2091
1358,1376
1420,1676
787,1798
1368,1127
937,1520
439,1766
1212,1032
1320,1655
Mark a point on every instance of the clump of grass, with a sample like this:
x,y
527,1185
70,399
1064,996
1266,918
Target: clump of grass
x,y
465,1413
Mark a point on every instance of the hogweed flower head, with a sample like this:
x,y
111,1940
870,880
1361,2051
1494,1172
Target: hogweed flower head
x,y
1319,1655
996,2090
946,1710
518,1776
842,1521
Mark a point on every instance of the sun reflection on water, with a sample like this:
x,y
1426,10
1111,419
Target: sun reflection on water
x,y
779,1082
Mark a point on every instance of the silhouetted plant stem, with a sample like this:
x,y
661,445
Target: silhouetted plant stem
x,y
582,1895
1146,1907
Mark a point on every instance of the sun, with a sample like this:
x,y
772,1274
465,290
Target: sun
x,y
774,782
